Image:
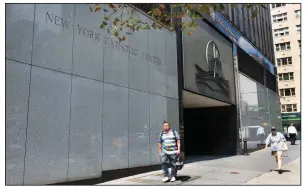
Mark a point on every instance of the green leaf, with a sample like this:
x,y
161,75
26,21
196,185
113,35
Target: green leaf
x,y
108,30
104,23
105,10
115,22
153,25
91,9
222,7
98,7
128,33
234,5
102,26
106,18
255,14
116,33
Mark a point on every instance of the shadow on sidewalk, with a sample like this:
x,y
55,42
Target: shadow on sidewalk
x,y
183,178
282,171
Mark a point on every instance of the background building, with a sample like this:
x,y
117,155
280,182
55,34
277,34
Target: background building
x,y
286,27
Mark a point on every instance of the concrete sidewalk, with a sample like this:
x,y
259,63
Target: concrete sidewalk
x,y
290,176
235,170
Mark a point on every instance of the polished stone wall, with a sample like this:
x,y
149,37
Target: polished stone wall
x,y
260,109
78,102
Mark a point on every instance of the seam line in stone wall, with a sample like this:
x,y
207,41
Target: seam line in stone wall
x,y
29,94
103,53
149,97
72,70
128,128
18,61
165,61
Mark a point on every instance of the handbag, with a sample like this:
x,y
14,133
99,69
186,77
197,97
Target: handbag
x,y
179,162
284,147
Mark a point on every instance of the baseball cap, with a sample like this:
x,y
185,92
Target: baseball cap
x,y
273,129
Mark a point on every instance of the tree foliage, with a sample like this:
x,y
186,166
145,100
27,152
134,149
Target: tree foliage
x,y
121,20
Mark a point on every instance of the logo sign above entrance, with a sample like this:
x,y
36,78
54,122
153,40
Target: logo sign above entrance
x,y
213,78
213,59
208,64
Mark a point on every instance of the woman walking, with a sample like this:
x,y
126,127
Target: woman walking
x,y
277,142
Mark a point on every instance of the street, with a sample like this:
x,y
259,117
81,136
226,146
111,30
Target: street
x,y
254,169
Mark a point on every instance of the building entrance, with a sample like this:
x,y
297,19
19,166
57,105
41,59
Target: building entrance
x,y
209,126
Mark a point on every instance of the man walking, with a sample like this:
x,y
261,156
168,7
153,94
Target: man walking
x,y
292,134
169,151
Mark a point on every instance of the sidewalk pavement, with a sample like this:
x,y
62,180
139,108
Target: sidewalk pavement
x,y
291,176
235,170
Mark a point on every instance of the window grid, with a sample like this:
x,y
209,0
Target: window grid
x,y
284,61
288,108
283,46
276,5
287,92
280,17
286,76
281,32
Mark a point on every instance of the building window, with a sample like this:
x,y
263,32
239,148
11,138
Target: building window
x,y
280,17
283,46
299,43
284,61
288,108
287,92
278,5
281,31
297,13
286,76
298,28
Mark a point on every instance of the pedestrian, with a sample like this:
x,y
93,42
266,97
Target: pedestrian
x,y
292,134
277,142
261,134
169,151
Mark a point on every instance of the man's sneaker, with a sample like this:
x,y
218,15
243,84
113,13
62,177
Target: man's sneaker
x,y
173,179
165,179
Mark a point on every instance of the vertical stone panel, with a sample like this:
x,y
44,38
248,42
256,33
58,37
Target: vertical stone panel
x,y
138,128
158,114
47,135
85,151
138,64
171,65
53,36
17,95
157,80
19,32
115,127
88,43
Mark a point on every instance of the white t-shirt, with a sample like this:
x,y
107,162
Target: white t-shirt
x,y
292,130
